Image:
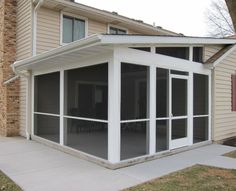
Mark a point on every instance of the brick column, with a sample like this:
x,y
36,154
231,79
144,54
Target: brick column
x,y
9,94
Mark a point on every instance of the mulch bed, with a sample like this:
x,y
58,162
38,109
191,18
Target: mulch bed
x,y
230,142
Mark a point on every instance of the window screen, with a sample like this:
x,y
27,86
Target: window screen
x,y
87,92
198,54
47,106
178,52
47,93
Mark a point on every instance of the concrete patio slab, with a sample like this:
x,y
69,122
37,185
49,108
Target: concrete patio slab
x,y
36,167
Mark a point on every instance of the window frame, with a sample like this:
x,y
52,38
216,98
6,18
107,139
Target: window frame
x,y
117,27
66,14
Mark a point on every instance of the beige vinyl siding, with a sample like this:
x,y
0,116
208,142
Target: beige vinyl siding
x,y
23,50
95,27
48,30
210,50
224,118
23,29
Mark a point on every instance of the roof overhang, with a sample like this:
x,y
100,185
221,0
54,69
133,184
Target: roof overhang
x,y
160,40
106,17
100,44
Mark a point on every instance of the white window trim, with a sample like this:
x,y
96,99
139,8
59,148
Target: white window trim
x,y
62,13
48,114
118,27
134,120
86,119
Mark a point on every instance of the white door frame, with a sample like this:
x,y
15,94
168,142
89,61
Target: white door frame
x,y
177,143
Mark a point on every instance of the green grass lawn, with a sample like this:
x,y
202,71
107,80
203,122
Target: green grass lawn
x,y
6,184
231,154
195,178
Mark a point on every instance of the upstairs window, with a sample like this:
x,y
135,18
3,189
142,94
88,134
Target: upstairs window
x,y
114,30
73,29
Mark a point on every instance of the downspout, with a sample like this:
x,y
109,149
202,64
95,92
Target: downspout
x,y
26,74
39,3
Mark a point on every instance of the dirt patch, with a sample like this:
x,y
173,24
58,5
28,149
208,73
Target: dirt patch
x,y
218,173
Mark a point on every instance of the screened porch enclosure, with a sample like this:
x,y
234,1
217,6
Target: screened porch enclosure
x,y
133,104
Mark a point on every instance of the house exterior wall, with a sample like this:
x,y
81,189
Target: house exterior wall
x,y
49,29
95,27
211,50
24,30
23,50
9,95
224,117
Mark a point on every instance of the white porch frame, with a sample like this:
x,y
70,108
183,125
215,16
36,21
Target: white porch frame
x,y
119,55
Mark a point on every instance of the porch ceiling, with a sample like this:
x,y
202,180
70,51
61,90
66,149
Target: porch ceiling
x,y
69,54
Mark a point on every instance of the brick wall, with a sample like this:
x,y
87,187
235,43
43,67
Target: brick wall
x,y
9,94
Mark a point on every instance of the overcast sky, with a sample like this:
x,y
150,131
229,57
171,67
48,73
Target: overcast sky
x,y
182,16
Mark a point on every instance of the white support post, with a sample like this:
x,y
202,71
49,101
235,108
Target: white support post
x,y
190,108
114,134
152,110
191,53
32,105
153,49
210,105
28,107
61,107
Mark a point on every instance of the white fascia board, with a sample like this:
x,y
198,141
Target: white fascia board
x,y
142,39
89,41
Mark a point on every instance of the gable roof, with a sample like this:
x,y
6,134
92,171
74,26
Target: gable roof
x,y
106,16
